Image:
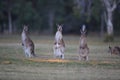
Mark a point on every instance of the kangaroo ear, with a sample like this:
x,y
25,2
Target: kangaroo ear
x,y
110,49
25,27
57,25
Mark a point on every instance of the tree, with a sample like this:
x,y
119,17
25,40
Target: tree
x,y
42,15
6,11
84,7
7,8
52,7
9,17
110,6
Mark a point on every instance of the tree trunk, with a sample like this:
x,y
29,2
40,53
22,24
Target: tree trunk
x,y
110,28
110,33
110,7
84,7
80,5
102,25
109,23
51,20
9,21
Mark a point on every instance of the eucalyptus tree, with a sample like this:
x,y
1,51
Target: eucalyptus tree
x,y
84,8
110,6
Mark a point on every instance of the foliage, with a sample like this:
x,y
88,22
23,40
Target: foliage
x,y
36,13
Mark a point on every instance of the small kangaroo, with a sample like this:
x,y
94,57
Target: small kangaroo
x,y
83,48
27,43
59,44
114,50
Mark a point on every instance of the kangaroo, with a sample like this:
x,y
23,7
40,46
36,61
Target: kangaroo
x,y
83,48
114,50
27,43
59,44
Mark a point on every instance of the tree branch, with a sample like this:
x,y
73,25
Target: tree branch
x,y
114,6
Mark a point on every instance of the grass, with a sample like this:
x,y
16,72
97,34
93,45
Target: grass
x,y
14,65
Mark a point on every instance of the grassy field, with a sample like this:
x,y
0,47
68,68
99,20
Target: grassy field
x,y
14,66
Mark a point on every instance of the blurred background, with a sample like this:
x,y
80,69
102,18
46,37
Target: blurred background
x,y
42,16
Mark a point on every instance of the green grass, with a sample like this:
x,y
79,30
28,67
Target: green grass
x,y
101,65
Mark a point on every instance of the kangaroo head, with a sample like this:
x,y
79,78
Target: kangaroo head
x,y
59,27
83,31
113,50
110,49
25,28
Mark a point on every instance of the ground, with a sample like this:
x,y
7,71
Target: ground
x,y
100,66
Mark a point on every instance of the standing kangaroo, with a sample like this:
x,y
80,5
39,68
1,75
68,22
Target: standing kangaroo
x,y
83,48
27,43
59,44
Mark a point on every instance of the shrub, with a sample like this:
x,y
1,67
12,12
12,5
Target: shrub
x,y
109,38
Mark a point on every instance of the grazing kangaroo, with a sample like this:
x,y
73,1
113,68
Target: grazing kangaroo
x,y
59,44
83,48
114,50
27,43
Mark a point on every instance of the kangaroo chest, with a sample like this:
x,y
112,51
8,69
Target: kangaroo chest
x,y
58,36
23,37
83,42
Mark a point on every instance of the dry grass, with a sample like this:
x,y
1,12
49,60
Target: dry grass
x,y
50,60
14,65
94,62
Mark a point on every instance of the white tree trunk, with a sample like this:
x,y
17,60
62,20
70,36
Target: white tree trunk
x,y
110,7
110,27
